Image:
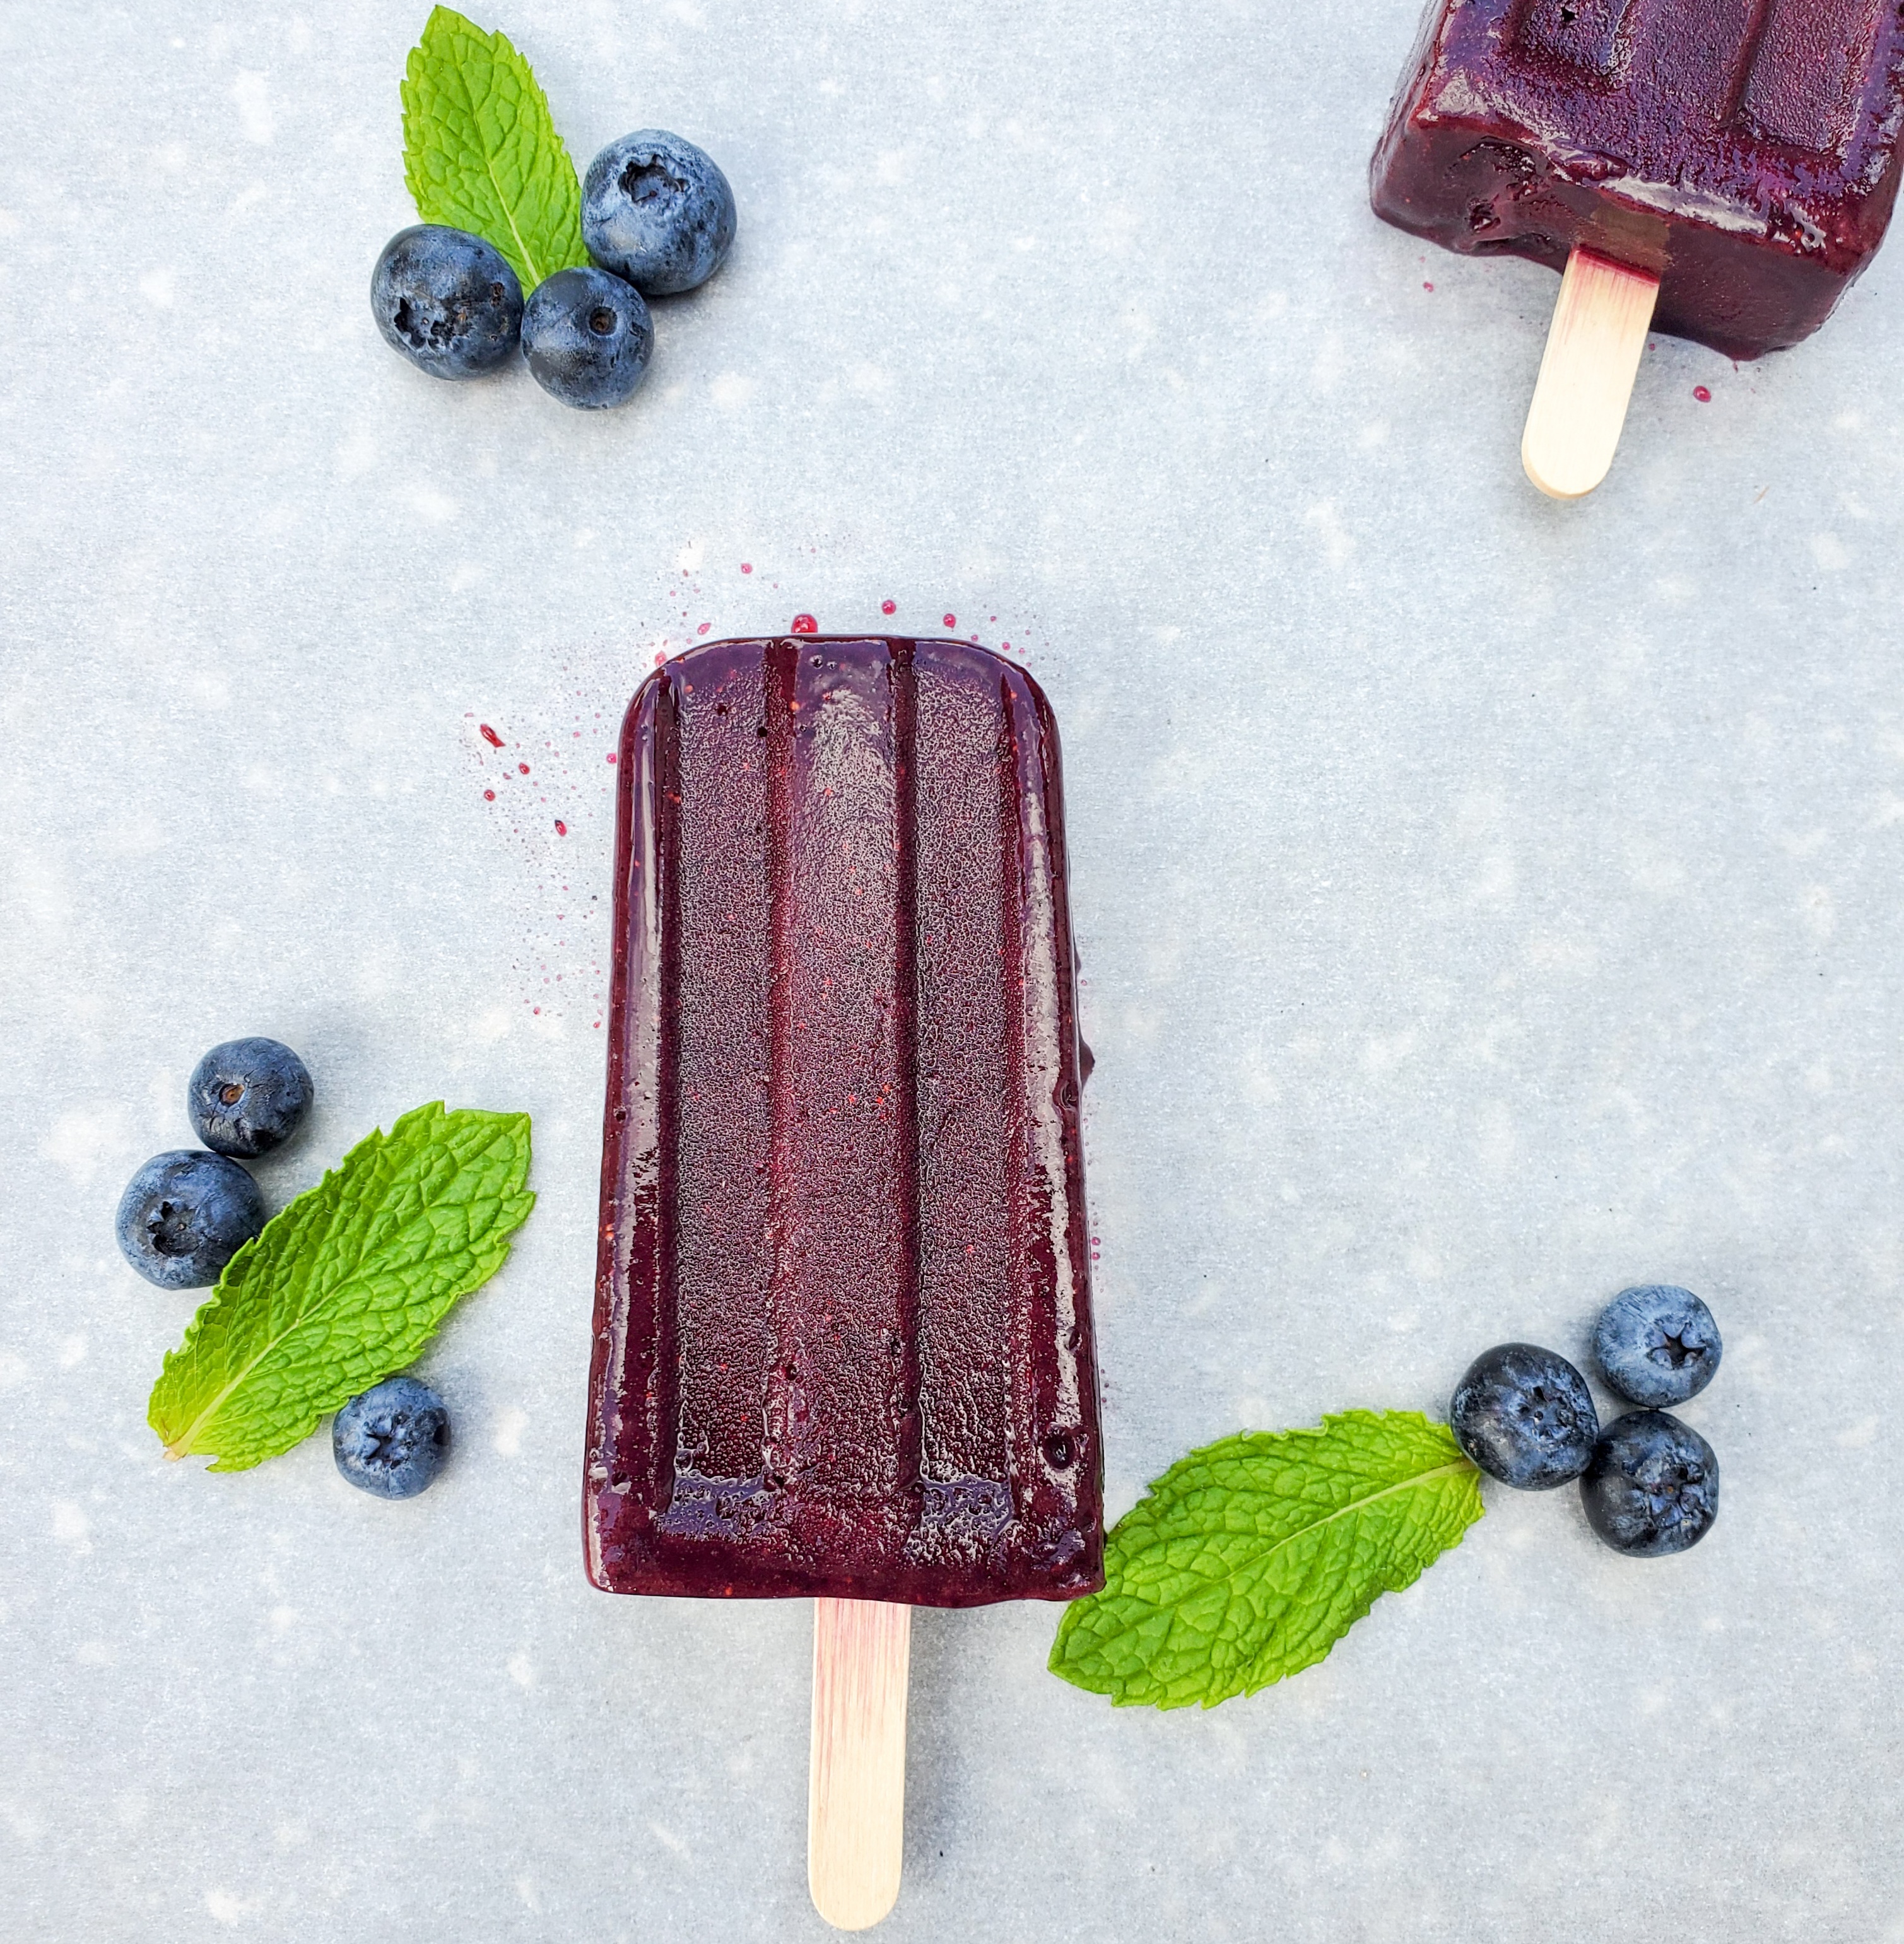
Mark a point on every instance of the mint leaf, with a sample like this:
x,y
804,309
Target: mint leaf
x,y
1251,1558
344,1285
480,151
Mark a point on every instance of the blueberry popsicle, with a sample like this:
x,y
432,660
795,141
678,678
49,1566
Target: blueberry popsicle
x,y
843,1341
1717,169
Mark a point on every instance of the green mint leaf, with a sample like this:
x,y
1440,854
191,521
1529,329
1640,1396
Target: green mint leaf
x,y
1251,1558
344,1285
481,152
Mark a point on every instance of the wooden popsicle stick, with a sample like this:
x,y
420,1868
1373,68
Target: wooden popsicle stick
x,y
1600,321
856,1783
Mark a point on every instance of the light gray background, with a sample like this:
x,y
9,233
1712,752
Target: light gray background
x,y
1484,904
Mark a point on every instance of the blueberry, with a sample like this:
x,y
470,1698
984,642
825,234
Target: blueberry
x,y
1524,1415
656,210
248,1096
1654,1486
447,300
393,1439
184,1215
1657,1344
588,338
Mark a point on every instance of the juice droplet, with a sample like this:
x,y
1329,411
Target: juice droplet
x,y
805,624
524,768
703,627
611,755
951,621
1702,395
889,607
489,737
489,796
746,567
561,828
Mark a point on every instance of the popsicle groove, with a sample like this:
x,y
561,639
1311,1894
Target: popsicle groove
x,y
965,1096
904,691
661,1393
779,670
1745,152
718,1001
1015,867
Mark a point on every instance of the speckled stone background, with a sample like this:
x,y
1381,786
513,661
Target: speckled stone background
x,y
1484,904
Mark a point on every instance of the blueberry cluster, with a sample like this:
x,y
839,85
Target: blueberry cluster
x,y
1650,1484
658,218
186,1214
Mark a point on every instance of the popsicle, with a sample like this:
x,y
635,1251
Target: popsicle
x,y
843,1339
1720,170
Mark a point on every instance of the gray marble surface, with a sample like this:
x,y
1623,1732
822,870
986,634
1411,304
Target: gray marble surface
x,y
1484,904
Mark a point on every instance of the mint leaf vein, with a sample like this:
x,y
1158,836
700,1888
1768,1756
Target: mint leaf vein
x,y
1249,1559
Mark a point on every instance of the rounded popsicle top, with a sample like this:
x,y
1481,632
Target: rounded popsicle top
x,y
723,660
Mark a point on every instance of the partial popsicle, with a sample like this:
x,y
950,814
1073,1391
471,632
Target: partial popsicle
x,y
1744,154
843,1341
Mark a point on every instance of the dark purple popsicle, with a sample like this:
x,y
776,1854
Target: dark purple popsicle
x,y
843,1341
1744,152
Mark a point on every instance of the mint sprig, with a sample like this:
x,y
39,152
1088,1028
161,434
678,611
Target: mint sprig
x,y
344,1285
1251,1558
480,151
